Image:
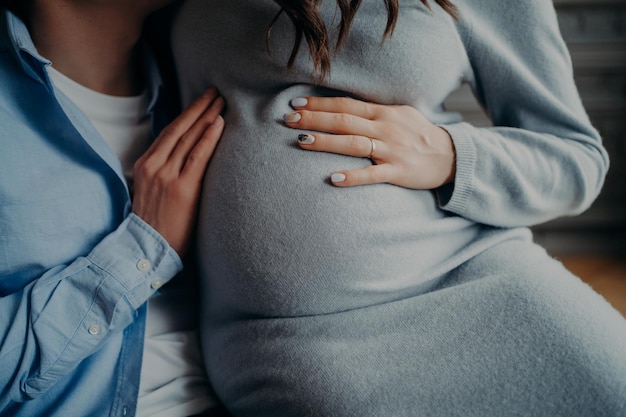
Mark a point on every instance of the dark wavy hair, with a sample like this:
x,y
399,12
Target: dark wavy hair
x,y
309,25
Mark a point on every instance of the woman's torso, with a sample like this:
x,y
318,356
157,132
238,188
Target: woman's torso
x,y
275,237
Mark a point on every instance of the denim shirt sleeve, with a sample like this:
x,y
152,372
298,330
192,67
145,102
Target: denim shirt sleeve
x,y
76,268
60,319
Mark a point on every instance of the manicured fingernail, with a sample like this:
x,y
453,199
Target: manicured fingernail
x,y
337,177
299,102
306,139
292,117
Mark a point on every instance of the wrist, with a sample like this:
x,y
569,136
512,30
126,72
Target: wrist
x,y
448,152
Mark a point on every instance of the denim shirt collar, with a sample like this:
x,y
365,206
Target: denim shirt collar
x,y
22,47
19,43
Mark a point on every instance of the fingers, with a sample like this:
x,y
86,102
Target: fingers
x,y
169,137
374,174
196,134
338,123
198,158
347,105
173,146
350,145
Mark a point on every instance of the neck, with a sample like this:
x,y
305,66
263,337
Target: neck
x,y
91,43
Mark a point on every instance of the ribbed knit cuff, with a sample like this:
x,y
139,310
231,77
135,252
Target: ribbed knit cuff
x,y
453,197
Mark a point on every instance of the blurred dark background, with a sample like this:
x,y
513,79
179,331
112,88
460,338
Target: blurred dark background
x,y
595,32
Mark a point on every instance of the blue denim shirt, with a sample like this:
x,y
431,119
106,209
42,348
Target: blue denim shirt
x,y
76,267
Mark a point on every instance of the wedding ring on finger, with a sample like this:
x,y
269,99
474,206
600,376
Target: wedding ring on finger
x,y
373,148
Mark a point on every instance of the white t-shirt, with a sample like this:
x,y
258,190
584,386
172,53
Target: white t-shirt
x,y
173,381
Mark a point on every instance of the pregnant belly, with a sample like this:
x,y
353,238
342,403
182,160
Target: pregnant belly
x,y
277,239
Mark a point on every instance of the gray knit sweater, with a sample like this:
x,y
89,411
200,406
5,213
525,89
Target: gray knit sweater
x,y
276,239
271,219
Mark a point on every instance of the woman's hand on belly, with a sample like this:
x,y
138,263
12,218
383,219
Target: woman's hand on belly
x,y
407,150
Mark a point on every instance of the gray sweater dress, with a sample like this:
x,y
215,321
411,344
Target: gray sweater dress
x,y
379,300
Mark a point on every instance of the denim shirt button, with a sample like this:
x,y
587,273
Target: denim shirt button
x,y
156,284
144,265
94,329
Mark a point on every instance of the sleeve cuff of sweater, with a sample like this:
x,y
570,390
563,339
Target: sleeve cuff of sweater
x,y
454,197
138,258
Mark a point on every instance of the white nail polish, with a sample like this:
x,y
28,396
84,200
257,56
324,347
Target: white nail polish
x,y
306,139
292,117
299,102
337,177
